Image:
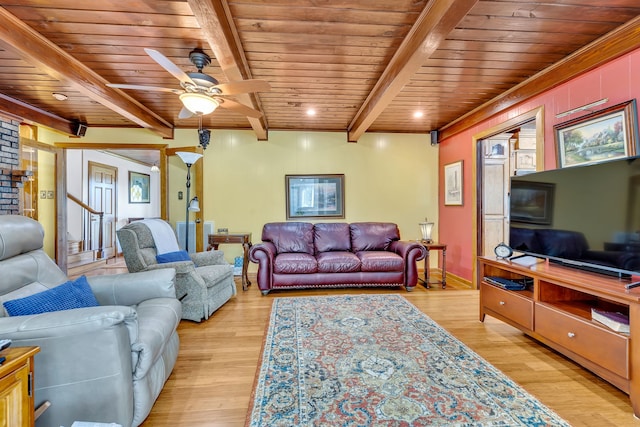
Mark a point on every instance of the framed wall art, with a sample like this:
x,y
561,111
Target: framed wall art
x,y
139,188
315,196
603,135
453,183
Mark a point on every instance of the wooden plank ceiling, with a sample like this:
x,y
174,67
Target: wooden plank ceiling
x,y
362,65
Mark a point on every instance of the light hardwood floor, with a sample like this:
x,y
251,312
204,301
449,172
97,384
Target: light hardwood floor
x,y
213,378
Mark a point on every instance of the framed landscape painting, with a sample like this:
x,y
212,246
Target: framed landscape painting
x,y
607,134
315,196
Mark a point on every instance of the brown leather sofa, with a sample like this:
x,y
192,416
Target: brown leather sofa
x,y
295,255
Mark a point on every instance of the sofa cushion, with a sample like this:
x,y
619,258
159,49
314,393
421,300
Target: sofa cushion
x,y
289,236
332,236
373,236
295,263
337,262
380,261
69,295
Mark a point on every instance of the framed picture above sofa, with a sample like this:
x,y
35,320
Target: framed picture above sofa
x,y
315,196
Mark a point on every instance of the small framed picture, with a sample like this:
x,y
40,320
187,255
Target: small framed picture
x,y
453,183
139,187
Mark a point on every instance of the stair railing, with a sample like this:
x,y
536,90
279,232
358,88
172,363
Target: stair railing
x,y
91,211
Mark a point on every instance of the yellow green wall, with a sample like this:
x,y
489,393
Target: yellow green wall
x,y
388,177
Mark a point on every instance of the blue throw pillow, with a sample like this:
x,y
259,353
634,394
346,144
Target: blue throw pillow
x,y
173,257
69,295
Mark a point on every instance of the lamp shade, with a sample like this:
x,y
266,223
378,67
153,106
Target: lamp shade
x,y
425,229
194,205
188,157
198,103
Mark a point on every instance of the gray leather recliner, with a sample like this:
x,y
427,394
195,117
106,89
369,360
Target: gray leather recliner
x,y
101,364
203,284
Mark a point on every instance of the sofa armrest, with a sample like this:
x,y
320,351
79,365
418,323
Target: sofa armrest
x,y
133,288
262,251
411,252
263,254
180,267
69,323
201,259
85,360
406,249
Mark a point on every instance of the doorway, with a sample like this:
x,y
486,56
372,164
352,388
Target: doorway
x,y
103,183
511,148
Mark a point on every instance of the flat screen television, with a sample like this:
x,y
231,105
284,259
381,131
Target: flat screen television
x,y
582,216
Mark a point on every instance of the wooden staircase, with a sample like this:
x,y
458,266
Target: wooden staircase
x,y
80,261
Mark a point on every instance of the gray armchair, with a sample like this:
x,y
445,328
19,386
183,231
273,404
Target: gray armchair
x,y
203,284
102,364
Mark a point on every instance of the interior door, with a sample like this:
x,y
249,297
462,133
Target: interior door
x,y
102,197
495,208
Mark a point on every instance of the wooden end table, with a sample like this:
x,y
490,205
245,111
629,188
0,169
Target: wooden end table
x,y
243,239
433,246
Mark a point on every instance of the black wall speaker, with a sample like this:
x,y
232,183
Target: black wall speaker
x,y
434,137
79,129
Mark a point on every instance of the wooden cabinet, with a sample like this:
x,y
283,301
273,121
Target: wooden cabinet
x,y
16,387
556,310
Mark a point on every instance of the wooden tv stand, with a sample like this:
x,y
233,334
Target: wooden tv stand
x,y
556,311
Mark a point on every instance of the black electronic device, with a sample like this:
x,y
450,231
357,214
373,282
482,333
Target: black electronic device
x,y
509,284
4,344
585,216
434,134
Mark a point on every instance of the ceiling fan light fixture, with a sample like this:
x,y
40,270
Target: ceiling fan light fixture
x,y
198,103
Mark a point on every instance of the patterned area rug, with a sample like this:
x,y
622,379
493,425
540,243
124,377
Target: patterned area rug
x,y
376,360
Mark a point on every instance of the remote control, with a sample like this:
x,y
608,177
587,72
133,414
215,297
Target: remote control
x,y
4,344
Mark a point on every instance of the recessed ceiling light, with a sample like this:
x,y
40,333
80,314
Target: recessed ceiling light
x,y
60,96
418,114
311,112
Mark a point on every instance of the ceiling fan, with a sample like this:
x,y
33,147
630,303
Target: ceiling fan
x,y
201,94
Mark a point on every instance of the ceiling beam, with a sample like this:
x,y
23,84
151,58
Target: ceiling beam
x,y
33,115
436,21
215,20
616,43
18,37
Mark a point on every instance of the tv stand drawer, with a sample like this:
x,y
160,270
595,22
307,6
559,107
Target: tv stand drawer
x,y
508,304
597,344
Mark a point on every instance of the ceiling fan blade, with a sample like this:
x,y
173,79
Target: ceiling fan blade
x,y
169,66
239,108
185,113
140,87
234,88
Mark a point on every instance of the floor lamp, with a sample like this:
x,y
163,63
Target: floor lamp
x,y
189,159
